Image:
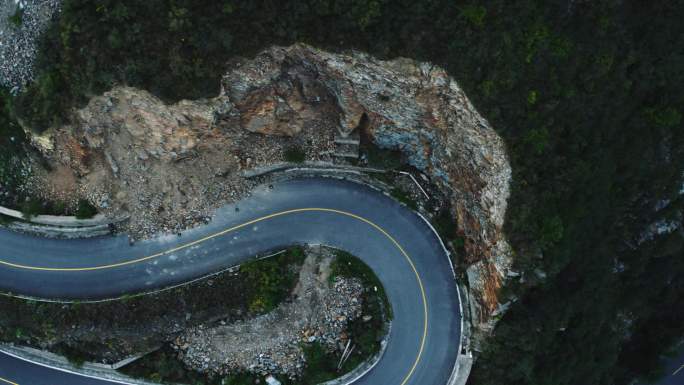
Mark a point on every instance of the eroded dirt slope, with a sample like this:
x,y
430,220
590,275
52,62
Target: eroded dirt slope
x,y
169,166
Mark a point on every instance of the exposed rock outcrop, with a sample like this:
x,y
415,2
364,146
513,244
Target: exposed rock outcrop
x,y
405,105
273,342
168,158
21,24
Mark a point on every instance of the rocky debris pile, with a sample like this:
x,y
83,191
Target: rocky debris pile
x,y
170,166
272,343
18,39
111,331
404,105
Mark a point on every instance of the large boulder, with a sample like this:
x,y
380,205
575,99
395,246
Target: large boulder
x,y
166,161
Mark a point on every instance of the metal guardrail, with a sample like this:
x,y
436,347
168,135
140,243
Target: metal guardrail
x,y
59,363
365,367
61,221
463,361
61,226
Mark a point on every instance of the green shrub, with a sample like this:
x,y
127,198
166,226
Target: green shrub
x,y
295,154
31,208
474,14
366,335
85,210
404,198
382,158
17,17
272,279
59,208
320,365
446,225
75,356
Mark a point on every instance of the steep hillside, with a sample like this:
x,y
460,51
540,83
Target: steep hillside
x,y
586,95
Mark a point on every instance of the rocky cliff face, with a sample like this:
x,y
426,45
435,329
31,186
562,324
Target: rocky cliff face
x,y
143,155
404,105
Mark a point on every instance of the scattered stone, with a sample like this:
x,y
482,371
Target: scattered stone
x,y
18,42
271,343
178,163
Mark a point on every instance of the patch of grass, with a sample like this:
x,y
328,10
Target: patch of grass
x,y
295,154
382,158
17,17
85,210
31,208
226,296
347,265
366,335
270,280
404,198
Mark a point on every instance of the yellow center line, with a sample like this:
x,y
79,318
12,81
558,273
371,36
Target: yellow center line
x,y
8,381
248,223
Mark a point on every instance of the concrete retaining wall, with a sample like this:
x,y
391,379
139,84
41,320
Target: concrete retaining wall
x,y
462,365
57,362
58,226
364,367
464,361
57,220
310,166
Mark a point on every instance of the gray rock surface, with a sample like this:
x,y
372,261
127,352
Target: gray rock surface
x,y
272,343
403,105
169,165
18,42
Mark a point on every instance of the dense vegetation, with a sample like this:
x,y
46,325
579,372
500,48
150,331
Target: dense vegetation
x,y
321,364
270,280
95,331
12,154
366,334
587,95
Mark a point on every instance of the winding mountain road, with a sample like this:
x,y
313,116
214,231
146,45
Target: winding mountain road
x,y
397,244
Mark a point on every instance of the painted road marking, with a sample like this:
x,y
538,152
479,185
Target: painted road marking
x,y
249,223
677,371
7,381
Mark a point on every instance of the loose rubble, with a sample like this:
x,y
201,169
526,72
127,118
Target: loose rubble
x,y
170,166
272,343
18,42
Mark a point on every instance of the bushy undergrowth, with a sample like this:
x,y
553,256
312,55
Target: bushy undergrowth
x,y
270,279
587,96
321,364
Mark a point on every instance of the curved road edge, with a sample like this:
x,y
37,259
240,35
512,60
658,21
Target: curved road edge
x,y
461,368
464,359
62,367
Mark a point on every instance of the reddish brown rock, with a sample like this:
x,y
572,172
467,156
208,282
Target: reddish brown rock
x,y
131,145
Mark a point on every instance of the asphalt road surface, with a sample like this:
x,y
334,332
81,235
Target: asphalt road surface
x,y
674,370
392,240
